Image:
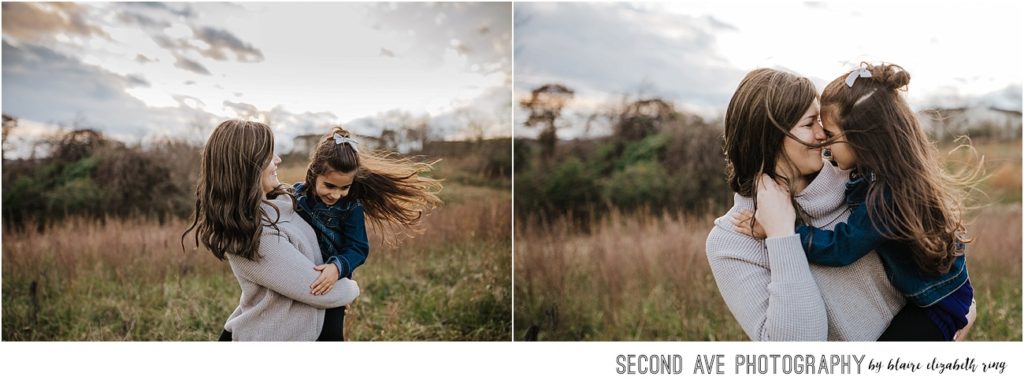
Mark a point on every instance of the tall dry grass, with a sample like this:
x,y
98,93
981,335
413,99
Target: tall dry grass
x,y
128,279
643,277
123,280
631,278
647,278
994,264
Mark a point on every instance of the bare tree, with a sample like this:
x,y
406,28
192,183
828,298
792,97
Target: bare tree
x,y
389,140
9,124
643,117
545,105
472,121
401,130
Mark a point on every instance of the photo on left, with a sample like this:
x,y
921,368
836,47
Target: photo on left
x,y
256,171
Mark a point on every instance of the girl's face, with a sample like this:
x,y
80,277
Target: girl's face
x,y
269,181
842,153
807,160
333,186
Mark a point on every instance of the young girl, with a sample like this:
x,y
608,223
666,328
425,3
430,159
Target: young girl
x,y
772,136
344,185
901,200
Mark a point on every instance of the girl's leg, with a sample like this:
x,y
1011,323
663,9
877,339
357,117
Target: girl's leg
x,y
334,325
912,324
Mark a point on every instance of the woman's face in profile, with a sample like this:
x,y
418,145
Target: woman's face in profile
x,y
268,180
809,129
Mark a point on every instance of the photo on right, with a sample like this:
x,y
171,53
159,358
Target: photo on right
x,y
776,171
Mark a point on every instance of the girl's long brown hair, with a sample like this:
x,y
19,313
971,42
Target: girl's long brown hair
x,y
392,190
228,217
925,203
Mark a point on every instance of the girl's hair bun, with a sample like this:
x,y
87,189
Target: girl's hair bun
x,y
892,76
339,130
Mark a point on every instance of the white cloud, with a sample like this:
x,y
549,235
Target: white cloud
x,y
144,67
695,53
610,50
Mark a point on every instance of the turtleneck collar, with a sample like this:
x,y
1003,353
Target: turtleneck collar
x,y
822,196
284,206
826,193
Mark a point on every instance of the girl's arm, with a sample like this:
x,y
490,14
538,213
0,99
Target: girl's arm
x,y
845,243
283,269
357,245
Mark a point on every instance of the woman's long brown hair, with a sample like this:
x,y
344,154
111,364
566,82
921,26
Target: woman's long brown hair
x,y
228,217
912,198
393,190
766,105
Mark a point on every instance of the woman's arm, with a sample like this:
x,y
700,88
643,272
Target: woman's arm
x,y
773,302
782,301
972,314
285,270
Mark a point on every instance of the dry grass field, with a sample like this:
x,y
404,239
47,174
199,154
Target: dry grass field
x,y
130,280
643,277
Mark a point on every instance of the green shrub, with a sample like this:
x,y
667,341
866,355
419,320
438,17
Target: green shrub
x,y
75,196
650,149
639,185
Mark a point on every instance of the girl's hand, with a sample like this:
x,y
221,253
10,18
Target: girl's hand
x,y
774,208
324,283
741,222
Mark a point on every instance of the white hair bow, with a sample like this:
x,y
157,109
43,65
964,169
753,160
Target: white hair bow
x,y
339,139
856,73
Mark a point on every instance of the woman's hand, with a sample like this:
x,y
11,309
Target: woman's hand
x,y
743,222
774,208
972,314
324,282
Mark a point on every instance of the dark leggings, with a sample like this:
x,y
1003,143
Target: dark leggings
x,y
334,325
333,330
911,324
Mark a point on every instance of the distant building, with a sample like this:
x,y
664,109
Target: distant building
x,y
461,148
304,144
976,122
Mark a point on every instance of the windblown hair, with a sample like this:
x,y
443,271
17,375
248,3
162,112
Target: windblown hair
x,y
391,189
766,105
228,217
912,199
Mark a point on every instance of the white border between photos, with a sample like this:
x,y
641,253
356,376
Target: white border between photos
x,y
469,362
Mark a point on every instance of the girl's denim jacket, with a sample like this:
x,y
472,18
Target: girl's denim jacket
x,y
850,241
340,229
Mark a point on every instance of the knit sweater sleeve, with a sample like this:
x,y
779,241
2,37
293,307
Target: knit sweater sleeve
x,y
774,301
283,269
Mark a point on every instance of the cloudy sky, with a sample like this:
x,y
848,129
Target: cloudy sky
x,y
143,70
695,53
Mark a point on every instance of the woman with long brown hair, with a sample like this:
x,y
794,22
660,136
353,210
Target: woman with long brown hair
x,y
243,215
773,139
